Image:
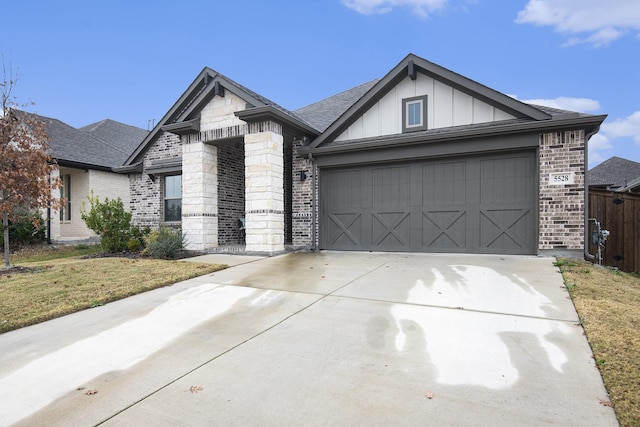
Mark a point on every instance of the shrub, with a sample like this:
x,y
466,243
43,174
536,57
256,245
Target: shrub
x,y
112,223
28,227
164,243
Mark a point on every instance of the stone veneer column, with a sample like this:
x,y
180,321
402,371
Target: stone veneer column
x,y
200,196
264,192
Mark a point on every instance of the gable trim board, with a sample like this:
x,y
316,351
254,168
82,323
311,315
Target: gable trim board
x,y
486,137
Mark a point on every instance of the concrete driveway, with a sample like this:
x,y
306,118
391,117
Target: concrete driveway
x,y
317,339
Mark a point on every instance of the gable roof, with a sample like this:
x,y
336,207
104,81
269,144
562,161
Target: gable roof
x,y
615,173
123,138
206,84
527,117
323,113
102,145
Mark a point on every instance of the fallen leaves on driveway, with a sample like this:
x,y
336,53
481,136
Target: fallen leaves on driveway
x,y
429,395
607,403
195,388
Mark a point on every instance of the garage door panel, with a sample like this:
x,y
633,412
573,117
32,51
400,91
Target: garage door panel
x,y
444,230
476,204
444,184
391,230
505,230
507,180
391,186
345,187
344,230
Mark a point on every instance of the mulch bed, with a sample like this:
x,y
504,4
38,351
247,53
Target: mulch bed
x,y
18,269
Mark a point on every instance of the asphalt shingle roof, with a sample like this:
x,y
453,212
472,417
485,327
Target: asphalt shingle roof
x,y
615,172
122,138
104,144
323,113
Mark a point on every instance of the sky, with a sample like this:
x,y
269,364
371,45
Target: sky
x,y
85,61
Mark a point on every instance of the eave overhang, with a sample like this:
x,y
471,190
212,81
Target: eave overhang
x,y
161,167
269,112
133,168
589,123
79,165
181,128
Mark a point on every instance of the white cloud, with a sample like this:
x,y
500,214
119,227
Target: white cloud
x,y
595,22
628,127
582,105
599,149
614,133
422,8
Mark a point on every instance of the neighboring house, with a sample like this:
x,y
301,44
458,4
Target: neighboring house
x,y
423,159
614,202
85,160
615,174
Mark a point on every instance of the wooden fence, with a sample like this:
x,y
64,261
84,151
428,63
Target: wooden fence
x,y
620,214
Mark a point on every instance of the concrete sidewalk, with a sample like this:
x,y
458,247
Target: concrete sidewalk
x,y
317,339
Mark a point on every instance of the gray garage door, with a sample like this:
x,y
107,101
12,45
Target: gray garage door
x,y
477,205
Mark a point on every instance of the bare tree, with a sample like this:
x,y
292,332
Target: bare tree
x,y
25,163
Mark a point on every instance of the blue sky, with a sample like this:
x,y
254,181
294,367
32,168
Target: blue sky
x,y
82,61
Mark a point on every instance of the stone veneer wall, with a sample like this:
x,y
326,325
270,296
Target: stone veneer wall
x,y
146,195
264,188
562,206
230,193
302,203
219,112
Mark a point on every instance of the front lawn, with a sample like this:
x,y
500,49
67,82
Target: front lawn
x,y
52,283
608,304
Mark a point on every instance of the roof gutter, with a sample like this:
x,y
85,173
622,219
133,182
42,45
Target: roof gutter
x,y
79,165
134,168
421,137
268,112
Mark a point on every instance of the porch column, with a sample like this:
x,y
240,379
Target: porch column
x,y
200,196
264,190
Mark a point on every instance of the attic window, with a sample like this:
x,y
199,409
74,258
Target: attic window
x,y
414,114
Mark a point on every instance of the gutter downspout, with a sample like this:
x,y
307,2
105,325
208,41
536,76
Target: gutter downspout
x,y
587,137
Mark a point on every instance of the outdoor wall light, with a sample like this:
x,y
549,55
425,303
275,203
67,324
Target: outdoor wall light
x,y
303,176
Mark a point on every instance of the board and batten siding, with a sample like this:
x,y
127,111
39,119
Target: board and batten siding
x,y
446,107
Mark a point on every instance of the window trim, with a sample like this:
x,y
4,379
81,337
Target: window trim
x,y
165,198
406,102
65,193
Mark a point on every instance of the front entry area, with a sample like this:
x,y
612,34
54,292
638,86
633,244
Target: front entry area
x,y
478,204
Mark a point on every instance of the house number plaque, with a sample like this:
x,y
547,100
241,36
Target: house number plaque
x,y
561,178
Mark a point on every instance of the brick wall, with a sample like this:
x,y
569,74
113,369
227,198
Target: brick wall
x,y
230,193
146,195
562,206
301,203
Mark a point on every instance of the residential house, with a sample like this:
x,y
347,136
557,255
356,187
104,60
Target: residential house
x,y
615,174
85,159
423,159
614,205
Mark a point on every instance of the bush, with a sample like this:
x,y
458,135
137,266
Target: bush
x,y
112,223
29,227
164,243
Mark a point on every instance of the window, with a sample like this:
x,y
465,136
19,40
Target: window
x,y
65,193
414,114
173,198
